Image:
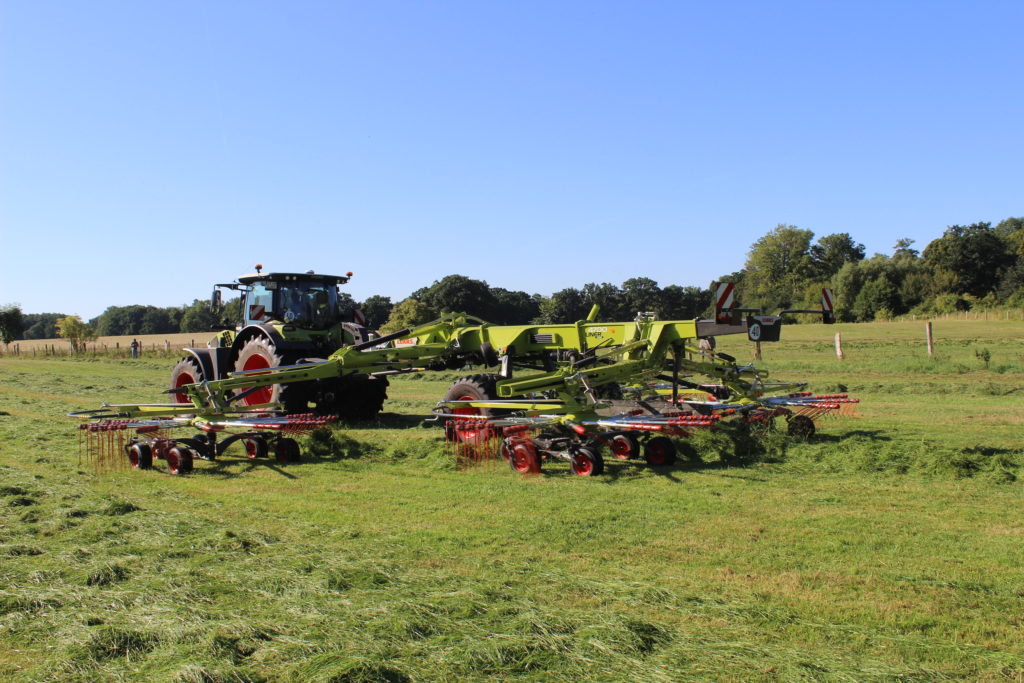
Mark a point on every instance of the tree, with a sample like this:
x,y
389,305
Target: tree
x,y
1011,231
72,328
902,248
376,308
974,254
41,325
156,321
777,264
641,295
830,252
459,294
198,317
408,313
605,296
513,308
683,303
12,323
564,306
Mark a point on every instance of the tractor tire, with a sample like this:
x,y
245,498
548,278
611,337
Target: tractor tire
x,y
259,353
470,388
660,451
587,462
187,371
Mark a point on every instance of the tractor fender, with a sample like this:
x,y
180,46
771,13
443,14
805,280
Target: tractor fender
x,y
268,331
359,333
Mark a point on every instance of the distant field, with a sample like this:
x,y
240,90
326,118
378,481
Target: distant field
x,y
887,548
150,343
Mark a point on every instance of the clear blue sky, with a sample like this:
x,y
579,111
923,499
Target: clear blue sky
x,y
150,149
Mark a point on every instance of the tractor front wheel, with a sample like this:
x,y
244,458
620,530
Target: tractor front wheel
x,y
187,371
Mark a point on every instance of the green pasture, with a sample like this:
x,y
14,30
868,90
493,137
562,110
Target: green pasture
x,y
887,548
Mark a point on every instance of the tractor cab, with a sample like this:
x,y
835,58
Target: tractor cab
x,y
306,301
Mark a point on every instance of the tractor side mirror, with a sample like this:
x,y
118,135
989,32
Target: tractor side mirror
x,y
215,299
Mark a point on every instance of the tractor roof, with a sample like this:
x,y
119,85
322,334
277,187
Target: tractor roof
x,y
294,277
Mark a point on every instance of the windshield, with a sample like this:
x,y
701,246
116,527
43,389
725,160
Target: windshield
x,y
311,305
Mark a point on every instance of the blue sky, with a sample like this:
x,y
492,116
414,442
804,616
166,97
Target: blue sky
x,y
150,149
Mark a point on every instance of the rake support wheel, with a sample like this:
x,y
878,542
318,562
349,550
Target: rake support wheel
x,y
624,446
660,451
140,455
522,455
587,462
255,447
179,460
286,451
801,426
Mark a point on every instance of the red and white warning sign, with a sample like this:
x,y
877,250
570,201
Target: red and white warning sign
x,y
724,300
358,317
826,300
257,312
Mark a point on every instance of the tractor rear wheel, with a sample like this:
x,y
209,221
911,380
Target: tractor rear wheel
x,y
259,353
470,388
356,397
187,371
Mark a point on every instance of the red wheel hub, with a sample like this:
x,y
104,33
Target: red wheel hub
x,y
621,448
657,454
263,394
582,466
523,456
183,379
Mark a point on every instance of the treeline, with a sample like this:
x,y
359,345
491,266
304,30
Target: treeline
x,y
969,267
458,293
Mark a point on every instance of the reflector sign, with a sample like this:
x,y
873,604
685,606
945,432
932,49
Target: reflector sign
x,y
724,299
826,300
359,317
257,312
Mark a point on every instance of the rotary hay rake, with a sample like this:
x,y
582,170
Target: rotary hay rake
x,y
115,442
561,401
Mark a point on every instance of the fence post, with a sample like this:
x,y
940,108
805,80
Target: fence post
x,y
931,340
839,346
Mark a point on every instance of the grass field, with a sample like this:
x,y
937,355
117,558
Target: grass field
x,y
888,548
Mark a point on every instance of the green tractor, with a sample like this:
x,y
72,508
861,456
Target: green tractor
x,y
287,319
